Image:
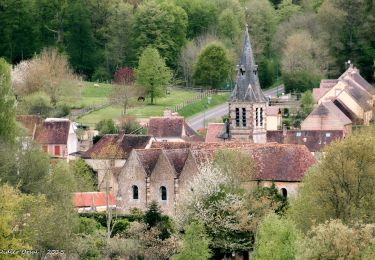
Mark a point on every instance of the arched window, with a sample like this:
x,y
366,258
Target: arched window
x,y
163,193
284,192
135,192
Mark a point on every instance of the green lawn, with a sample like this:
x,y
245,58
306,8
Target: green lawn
x,y
197,107
176,97
83,94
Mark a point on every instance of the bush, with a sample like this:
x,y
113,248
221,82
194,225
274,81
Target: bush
x,y
300,81
120,226
129,125
38,103
61,110
106,126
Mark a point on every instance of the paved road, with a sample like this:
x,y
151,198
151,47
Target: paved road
x,y
196,121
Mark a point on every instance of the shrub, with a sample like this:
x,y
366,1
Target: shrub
x,y
38,103
106,126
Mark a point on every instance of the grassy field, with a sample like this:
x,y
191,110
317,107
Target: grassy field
x,y
145,110
198,107
85,94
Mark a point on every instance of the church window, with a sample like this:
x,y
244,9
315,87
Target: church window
x,y
135,192
257,117
284,192
244,117
163,193
237,117
261,116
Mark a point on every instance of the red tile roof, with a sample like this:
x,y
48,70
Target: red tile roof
x,y
279,162
92,199
213,131
165,126
177,158
148,158
53,132
117,146
314,140
174,126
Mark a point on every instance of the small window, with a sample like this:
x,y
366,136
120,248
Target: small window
x,y
163,193
57,150
284,192
261,117
244,117
298,134
257,117
237,117
328,134
135,192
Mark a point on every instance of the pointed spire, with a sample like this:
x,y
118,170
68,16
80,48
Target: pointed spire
x,y
247,85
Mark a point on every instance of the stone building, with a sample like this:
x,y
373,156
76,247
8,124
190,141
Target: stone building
x,y
163,172
247,105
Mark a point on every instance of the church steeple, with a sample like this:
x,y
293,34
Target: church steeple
x,y
247,84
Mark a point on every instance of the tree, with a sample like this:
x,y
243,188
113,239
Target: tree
x,y
161,25
45,72
106,126
85,176
276,239
124,88
286,9
189,54
341,185
229,26
211,199
152,74
79,40
195,243
262,20
9,206
18,30
213,66
153,215
7,104
307,103
201,15
335,240
118,50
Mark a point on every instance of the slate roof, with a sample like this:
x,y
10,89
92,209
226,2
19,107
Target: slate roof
x,y
314,140
213,131
148,158
247,86
329,108
117,146
362,97
53,132
92,199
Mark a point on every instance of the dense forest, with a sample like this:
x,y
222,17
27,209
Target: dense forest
x,y
299,41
